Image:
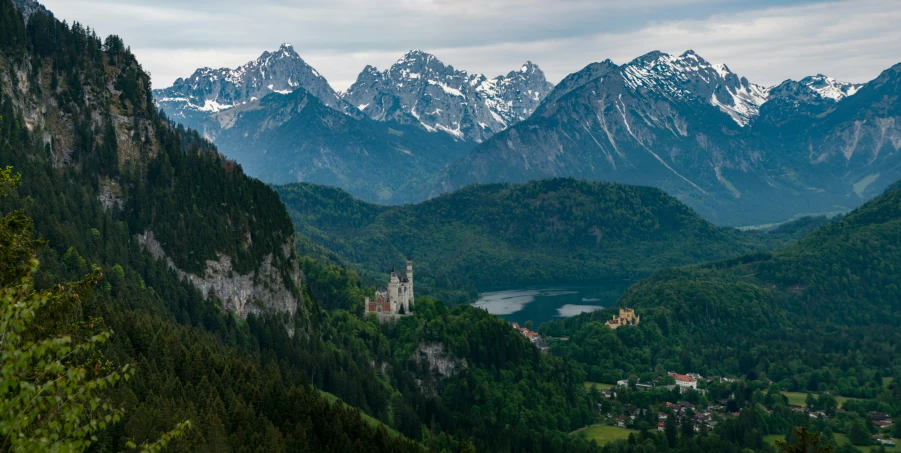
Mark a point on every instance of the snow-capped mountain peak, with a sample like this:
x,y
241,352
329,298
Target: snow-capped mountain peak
x,y
689,76
441,98
212,90
829,88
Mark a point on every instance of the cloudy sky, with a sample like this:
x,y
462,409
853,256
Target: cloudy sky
x,y
765,40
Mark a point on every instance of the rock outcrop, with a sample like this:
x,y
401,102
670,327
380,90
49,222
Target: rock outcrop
x,y
263,292
440,363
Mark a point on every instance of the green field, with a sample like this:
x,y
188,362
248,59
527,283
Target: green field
x,y
589,385
840,439
800,399
604,434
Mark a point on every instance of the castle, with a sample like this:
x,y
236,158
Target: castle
x,y
626,318
397,300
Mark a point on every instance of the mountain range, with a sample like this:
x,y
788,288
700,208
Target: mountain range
x,y
387,135
736,152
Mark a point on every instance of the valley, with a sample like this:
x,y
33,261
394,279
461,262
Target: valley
x,y
546,231
437,260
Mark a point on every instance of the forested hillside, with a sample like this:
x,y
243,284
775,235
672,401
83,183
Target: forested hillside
x,y
100,169
98,166
819,315
557,230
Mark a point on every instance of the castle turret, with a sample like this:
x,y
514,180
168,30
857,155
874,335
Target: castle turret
x,y
409,283
394,290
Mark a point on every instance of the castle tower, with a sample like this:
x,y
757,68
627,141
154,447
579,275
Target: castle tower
x,y
409,283
394,291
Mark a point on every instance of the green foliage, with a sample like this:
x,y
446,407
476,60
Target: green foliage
x,y
52,378
858,433
819,315
559,230
503,392
49,401
803,442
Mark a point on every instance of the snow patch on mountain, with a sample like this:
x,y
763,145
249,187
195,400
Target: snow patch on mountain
x,y
829,88
441,98
213,90
688,76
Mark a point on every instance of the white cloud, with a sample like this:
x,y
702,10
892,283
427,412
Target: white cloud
x,y
849,39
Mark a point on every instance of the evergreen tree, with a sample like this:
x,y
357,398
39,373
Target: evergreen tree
x,y
52,374
803,441
671,430
858,434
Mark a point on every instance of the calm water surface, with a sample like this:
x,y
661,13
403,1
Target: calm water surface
x,y
542,303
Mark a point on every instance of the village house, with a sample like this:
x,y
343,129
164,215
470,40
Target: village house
x,y
684,381
532,336
881,419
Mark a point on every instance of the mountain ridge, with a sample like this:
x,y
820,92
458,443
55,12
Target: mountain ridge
x,y
468,106
700,132
209,91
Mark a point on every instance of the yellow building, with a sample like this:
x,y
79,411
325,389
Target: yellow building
x,y
626,317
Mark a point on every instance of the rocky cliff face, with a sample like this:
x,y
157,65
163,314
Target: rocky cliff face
x,y
259,293
29,7
125,126
101,129
209,91
858,140
421,89
440,363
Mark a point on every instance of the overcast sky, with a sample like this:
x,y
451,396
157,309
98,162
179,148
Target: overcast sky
x,y
765,40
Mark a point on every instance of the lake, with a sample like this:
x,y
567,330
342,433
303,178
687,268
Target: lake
x,y
542,303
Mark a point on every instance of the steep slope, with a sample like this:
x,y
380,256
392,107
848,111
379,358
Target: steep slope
x,y
279,119
108,131
616,123
421,89
859,141
559,230
295,137
737,153
821,314
100,170
691,78
192,100
829,88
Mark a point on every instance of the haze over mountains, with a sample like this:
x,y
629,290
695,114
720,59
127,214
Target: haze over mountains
x,y
737,152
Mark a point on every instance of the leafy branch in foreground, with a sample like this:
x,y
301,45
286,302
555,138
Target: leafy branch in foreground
x,y
51,380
